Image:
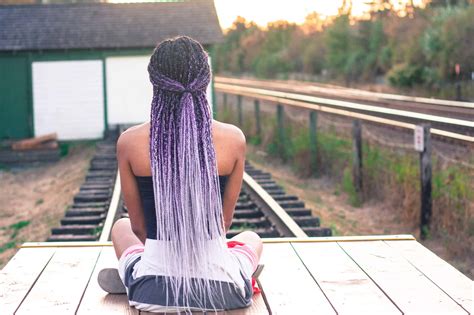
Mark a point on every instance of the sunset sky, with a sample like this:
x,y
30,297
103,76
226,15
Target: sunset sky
x,y
264,11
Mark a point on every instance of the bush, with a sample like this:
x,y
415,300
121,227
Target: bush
x,y
406,75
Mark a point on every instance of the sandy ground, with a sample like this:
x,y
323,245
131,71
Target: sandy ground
x,y
33,199
334,211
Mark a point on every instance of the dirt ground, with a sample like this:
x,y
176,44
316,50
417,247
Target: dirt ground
x,y
33,199
334,211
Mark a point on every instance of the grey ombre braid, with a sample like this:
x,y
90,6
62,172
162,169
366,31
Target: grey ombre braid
x,y
184,168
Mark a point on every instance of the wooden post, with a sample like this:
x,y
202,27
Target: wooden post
x,y
313,145
357,156
239,108
225,102
257,119
281,131
425,177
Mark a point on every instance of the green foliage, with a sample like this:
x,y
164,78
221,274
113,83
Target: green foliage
x,y
407,75
416,49
349,188
16,227
8,245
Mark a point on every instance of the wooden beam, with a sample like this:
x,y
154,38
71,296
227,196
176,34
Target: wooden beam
x,y
257,119
425,182
357,157
36,142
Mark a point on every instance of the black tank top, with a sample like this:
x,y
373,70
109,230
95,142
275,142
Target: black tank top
x,y
145,187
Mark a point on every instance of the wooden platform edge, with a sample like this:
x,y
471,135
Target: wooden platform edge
x,y
357,238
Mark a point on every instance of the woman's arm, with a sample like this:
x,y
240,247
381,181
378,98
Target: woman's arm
x,y
234,182
130,193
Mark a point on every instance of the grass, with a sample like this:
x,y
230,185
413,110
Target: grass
x,y
388,174
16,227
244,226
7,246
334,229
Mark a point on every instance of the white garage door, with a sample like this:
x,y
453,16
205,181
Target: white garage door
x,y
129,91
68,99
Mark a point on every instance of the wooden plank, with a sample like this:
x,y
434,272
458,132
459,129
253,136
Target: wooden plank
x,y
449,279
32,143
288,286
410,290
96,300
356,238
62,283
19,275
344,283
323,239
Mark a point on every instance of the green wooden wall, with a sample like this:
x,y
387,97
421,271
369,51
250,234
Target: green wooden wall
x,y
15,110
16,99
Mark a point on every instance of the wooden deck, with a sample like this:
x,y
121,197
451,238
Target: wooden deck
x,y
330,275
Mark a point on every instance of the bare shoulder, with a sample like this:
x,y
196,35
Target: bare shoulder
x,y
228,136
132,137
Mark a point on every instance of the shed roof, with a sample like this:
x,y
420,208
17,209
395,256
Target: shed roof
x,y
105,25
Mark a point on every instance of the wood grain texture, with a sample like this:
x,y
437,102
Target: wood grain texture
x,y
288,286
449,279
19,275
60,287
344,283
409,289
96,300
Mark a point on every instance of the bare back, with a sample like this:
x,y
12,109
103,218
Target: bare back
x,y
134,160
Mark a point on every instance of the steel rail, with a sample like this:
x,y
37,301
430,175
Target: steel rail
x,y
276,214
330,89
112,210
350,105
253,93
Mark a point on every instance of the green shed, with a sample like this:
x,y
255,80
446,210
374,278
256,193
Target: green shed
x,y
77,69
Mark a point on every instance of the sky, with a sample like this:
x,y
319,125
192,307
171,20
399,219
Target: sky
x,y
264,11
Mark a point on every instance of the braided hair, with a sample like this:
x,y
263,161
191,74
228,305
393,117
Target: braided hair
x,y
184,169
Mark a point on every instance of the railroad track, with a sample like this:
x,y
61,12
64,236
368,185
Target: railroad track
x,y
449,118
263,206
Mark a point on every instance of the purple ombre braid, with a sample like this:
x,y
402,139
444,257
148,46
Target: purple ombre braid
x,y
184,168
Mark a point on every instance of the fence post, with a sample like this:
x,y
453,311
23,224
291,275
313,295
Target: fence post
x,y
225,102
239,108
281,132
357,156
313,143
425,178
257,119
